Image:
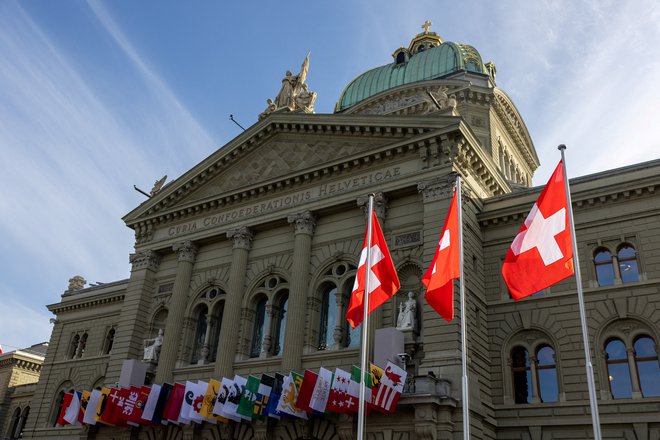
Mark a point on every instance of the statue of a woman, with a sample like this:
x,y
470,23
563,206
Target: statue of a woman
x,y
152,351
408,313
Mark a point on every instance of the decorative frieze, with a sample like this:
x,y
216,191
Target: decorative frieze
x,y
437,188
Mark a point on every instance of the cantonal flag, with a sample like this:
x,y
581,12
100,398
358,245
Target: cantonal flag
x,y
172,408
445,266
263,395
390,388
66,402
306,390
383,280
321,391
339,392
92,406
150,404
199,391
249,395
353,394
135,417
275,394
187,403
163,397
210,397
227,401
103,410
541,254
287,402
84,399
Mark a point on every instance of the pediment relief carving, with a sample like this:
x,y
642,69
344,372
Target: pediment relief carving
x,y
280,157
416,100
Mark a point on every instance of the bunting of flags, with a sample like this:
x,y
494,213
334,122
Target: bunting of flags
x,y
292,396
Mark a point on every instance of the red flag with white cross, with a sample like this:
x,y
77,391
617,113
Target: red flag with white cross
x,y
383,280
541,254
445,267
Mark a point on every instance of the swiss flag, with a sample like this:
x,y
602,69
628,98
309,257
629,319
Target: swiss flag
x,y
445,267
383,281
542,253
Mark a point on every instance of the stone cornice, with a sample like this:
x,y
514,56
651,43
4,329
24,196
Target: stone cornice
x,y
510,117
85,303
21,363
586,192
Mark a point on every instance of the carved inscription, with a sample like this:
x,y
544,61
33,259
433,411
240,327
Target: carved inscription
x,y
283,202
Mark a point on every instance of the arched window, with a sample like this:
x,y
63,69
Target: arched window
x,y
217,326
201,323
627,256
73,348
646,362
57,407
280,324
400,58
604,267
522,375
258,331
546,371
15,420
618,372
109,341
23,420
329,314
82,345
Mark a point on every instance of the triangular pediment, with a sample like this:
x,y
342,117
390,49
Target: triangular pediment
x,y
283,149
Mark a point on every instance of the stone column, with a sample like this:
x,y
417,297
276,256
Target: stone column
x,y
133,319
634,377
187,252
231,315
533,368
380,208
294,334
339,335
267,342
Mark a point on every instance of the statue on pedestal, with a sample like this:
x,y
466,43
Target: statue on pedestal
x,y
152,347
293,94
407,313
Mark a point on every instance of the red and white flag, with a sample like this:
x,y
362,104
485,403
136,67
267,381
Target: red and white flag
x,y
383,281
389,390
541,254
445,267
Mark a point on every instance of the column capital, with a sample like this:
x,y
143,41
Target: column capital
x,y
303,222
380,204
144,260
242,238
187,250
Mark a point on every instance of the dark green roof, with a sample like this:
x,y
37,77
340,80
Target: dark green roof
x,y
432,63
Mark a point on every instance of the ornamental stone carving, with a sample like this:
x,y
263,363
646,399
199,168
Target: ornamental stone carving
x,y
186,250
242,238
76,283
437,188
380,205
144,260
293,94
303,223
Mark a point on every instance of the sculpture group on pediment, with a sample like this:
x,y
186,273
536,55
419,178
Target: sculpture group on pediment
x,y
293,95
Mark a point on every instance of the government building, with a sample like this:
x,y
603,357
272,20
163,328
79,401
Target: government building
x,y
246,264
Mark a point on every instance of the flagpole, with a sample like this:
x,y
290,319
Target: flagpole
x,y
595,419
365,318
464,379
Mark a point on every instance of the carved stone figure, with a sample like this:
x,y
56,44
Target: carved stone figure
x,y
77,283
152,347
158,185
408,313
293,94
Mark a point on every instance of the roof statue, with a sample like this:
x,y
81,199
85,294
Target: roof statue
x,y
158,185
294,94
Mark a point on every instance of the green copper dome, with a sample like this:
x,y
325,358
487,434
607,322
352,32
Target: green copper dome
x,y
434,62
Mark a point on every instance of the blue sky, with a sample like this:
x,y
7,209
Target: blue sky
x,y
96,96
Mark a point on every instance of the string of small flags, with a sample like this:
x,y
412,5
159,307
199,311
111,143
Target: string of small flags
x,y
236,399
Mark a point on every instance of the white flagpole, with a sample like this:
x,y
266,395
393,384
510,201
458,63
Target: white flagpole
x,y
464,379
365,337
595,419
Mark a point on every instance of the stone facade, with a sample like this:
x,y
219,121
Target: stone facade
x,y
19,373
273,222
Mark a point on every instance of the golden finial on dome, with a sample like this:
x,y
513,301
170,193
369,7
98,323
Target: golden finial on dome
x,y
427,24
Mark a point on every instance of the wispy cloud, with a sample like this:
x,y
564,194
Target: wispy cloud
x,y
70,156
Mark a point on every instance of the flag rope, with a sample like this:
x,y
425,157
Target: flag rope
x,y
365,336
464,378
595,419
